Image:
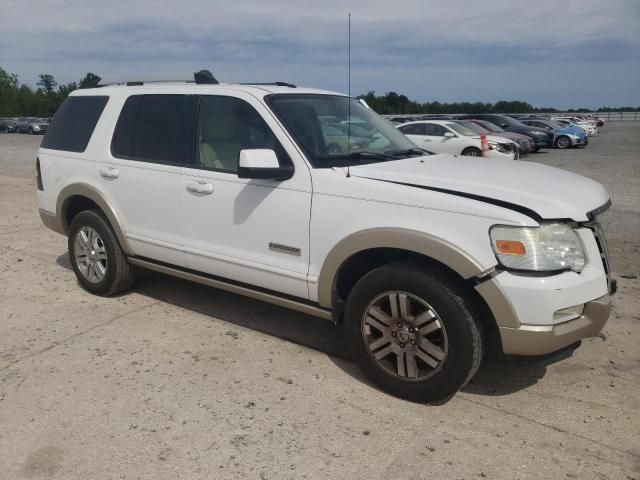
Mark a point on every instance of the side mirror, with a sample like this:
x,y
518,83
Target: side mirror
x,y
449,134
262,164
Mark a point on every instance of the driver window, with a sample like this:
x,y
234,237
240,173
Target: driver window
x,y
227,125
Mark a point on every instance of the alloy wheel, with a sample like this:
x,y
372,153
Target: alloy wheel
x,y
90,254
404,335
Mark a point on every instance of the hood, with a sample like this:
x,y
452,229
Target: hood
x,y
570,130
526,131
534,189
512,136
494,139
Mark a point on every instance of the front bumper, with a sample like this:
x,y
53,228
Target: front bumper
x,y
542,339
577,141
543,142
525,307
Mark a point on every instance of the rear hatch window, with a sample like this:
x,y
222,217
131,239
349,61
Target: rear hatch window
x,y
73,124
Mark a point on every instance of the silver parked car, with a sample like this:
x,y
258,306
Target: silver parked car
x,y
32,125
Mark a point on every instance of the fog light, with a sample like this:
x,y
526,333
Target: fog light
x,y
566,314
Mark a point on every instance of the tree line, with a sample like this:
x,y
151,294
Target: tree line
x,y
20,100
393,103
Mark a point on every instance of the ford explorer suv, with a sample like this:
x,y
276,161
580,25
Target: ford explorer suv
x,y
425,261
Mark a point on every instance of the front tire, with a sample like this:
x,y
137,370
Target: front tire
x,y
96,256
412,332
334,149
472,152
563,142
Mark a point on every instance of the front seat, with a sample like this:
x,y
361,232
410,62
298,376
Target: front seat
x,y
219,143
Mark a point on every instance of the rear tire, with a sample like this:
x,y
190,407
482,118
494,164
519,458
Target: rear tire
x,y
427,346
472,152
96,256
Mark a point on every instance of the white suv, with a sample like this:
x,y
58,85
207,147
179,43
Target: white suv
x,y
426,260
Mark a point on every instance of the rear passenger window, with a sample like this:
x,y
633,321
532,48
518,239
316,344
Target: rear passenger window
x,y
414,129
153,128
73,123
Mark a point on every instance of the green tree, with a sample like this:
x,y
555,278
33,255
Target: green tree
x,y
47,82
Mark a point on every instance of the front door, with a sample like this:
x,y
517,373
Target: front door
x,y
250,231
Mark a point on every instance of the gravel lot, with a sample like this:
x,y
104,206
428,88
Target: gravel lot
x,y
175,380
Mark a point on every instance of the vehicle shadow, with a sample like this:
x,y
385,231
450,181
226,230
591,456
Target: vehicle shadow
x,y
497,378
493,379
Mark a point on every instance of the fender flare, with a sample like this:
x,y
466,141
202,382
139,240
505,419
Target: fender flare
x,y
87,191
414,241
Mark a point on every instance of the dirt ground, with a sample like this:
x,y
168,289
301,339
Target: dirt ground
x,y
177,381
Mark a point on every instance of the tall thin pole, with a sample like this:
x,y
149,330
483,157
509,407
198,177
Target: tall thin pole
x,y
349,92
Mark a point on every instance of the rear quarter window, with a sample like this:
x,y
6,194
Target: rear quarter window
x,y
73,123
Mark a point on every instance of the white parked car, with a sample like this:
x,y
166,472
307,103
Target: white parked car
x,y
588,126
445,136
424,261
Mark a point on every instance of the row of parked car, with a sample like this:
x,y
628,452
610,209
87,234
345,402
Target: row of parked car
x,y
31,125
508,136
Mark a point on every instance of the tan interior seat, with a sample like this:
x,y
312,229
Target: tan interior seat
x,y
219,141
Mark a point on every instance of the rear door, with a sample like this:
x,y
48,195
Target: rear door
x,y
416,132
142,170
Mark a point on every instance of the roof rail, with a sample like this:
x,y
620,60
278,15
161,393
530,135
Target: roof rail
x,y
279,84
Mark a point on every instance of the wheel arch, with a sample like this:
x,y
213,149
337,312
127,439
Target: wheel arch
x,y
81,196
403,241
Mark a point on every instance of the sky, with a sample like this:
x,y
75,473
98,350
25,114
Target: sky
x,y
559,53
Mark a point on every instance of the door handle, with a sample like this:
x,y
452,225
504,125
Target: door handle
x,y
109,172
427,140
204,188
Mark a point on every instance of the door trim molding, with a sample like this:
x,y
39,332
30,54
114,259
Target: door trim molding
x,y
268,296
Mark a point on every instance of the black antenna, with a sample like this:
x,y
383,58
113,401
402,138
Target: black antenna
x,y
349,93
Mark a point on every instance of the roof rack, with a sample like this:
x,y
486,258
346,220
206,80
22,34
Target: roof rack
x,y
203,77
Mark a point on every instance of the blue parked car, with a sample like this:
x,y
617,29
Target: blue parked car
x,y
563,136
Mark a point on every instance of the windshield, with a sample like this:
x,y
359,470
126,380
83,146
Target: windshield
x,y
553,124
512,121
461,129
490,126
335,130
473,126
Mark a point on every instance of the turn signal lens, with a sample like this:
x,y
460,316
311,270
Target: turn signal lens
x,y
510,247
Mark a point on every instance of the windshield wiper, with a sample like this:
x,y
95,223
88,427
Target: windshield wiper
x,y
407,151
359,155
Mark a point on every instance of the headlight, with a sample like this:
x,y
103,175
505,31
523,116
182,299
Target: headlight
x,y
550,247
500,148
